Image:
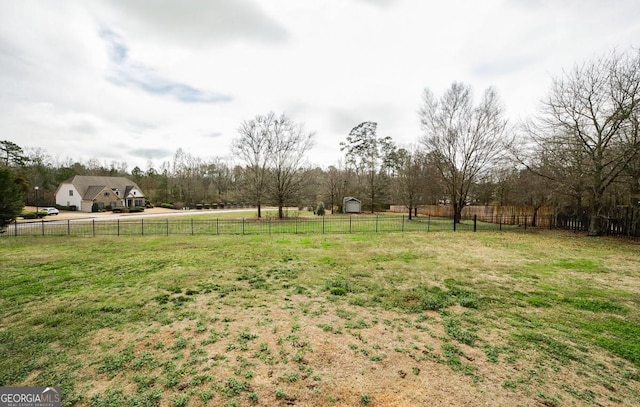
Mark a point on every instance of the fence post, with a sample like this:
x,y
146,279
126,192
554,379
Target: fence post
x,y
15,228
349,223
403,223
429,223
168,226
269,221
191,226
217,226
42,222
142,226
454,223
525,221
93,226
475,223
68,227
243,225
295,221
500,221
118,223
323,225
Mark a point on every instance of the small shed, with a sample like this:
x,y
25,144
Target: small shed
x,y
351,205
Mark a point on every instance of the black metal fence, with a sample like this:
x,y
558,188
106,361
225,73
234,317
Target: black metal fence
x,y
623,227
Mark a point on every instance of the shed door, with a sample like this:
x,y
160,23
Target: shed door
x,y
353,206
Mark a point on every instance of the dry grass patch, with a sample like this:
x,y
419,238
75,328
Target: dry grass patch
x,y
386,319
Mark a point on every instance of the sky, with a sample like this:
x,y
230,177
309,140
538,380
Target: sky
x,y
134,80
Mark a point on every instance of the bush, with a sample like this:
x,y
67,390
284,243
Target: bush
x,y
95,207
166,205
320,210
136,209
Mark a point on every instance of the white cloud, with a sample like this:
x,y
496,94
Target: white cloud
x,y
132,81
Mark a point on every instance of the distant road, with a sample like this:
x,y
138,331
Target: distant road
x,y
171,213
84,217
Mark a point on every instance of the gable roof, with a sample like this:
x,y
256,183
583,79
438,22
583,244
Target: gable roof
x,y
89,186
93,191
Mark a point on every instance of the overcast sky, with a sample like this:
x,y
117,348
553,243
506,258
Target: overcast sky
x,y
134,80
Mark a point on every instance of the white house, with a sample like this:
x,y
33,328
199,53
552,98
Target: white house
x,y
83,191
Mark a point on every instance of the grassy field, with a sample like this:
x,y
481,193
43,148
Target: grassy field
x,y
386,319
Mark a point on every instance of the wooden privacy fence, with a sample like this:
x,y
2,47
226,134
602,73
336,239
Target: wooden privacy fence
x,y
512,215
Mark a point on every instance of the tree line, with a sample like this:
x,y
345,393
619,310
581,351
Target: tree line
x,y
580,153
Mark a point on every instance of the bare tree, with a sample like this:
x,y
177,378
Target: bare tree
x,y
336,182
253,148
289,143
464,141
273,150
590,122
411,178
219,176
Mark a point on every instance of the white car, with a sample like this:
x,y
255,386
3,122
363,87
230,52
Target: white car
x,y
50,211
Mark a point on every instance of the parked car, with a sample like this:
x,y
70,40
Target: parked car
x,y
50,211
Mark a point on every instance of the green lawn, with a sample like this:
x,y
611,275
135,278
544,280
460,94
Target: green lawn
x,y
493,318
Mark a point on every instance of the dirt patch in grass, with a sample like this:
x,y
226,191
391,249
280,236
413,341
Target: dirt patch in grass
x,y
310,352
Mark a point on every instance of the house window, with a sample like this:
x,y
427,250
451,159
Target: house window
x,y
71,192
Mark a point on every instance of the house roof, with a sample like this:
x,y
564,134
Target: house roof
x,y
90,186
93,191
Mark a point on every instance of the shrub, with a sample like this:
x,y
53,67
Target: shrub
x,y
136,209
95,207
320,210
166,205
